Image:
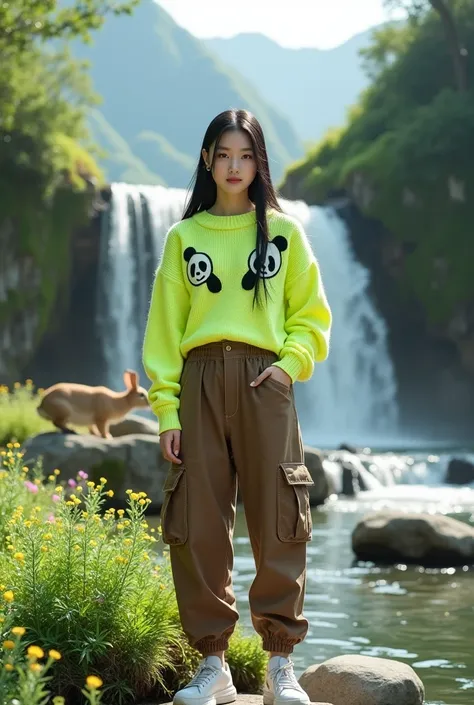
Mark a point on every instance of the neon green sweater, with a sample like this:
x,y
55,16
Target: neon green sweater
x,y
203,292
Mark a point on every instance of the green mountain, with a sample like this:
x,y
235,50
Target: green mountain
x,y
313,88
161,87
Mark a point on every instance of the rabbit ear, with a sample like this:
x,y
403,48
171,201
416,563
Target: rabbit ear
x,y
130,377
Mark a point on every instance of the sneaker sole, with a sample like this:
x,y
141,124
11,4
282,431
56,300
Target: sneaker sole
x,y
269,699
222,697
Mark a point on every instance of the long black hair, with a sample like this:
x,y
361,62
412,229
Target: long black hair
x,y
261,191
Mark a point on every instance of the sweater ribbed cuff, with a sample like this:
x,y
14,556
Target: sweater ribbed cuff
x,y
168,419
291,364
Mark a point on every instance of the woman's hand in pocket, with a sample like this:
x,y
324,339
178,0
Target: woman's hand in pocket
x,y
170,442
276,373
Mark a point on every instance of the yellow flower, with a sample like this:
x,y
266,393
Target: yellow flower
x,y
16,445
142,501
119,527
18,631
35,667
58,700
25,468
37,482
58,489
142,494
8,644
47,537
110,493
120,559
120,512
134,496
19,556
76,547
35,652
55,655
103,480
91,484
79,489
56,472
94,682
44,549
9,667
146,557
92,543
8,596
70,504
51,478
2,587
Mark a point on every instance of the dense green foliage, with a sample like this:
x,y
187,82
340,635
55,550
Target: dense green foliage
x,y
405,156
93,590
47,172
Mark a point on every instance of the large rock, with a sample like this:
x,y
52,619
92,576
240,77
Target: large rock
x,y
363,680
460,472
133,461
133,424
323,486
429,540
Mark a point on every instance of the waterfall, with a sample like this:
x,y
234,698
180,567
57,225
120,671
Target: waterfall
x,y
351,397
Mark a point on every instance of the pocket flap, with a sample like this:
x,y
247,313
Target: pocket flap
x,y
296,474
172,478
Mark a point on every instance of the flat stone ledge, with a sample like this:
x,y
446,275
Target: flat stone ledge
x,y
241,700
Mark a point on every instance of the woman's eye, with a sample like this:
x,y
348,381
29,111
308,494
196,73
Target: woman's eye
x,y
248,156
222,154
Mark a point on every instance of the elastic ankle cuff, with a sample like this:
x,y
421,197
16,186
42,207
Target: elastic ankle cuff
x,y
211,646
278,646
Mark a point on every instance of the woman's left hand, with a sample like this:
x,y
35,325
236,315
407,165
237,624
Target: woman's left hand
x,y
276,372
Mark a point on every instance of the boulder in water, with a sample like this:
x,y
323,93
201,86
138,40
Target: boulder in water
x,y
460,472
363,680
323,485
424,539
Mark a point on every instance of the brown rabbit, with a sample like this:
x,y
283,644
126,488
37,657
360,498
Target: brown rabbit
x,y
94,407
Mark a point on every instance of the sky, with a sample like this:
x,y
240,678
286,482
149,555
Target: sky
x,y
323,24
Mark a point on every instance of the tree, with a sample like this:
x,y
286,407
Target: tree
x,y
417,9
24,22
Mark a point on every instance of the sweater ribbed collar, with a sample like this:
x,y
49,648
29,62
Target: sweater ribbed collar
x,y
225,222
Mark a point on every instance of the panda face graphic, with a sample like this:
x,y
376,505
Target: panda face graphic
x,y
270,267
200,270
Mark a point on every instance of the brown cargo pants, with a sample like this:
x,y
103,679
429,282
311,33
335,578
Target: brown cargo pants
x,y
232,431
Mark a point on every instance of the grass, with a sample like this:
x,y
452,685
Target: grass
x,y
18,416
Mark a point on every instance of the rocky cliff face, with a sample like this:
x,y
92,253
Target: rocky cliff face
x,y
39,276
20,279
433,362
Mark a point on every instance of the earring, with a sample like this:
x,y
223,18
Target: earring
x,y
208,168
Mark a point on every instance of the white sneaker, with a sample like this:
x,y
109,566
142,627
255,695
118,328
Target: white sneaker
x,y
281,686
212,685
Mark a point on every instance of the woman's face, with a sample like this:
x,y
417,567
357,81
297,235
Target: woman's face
x,y
235,166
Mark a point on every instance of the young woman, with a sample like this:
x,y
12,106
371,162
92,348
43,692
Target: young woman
x,y
238,313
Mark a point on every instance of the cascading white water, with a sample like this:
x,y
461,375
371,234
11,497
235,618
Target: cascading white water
x,y
351,397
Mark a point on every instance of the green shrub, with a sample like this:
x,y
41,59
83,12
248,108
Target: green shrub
x,y
86,583
248,662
